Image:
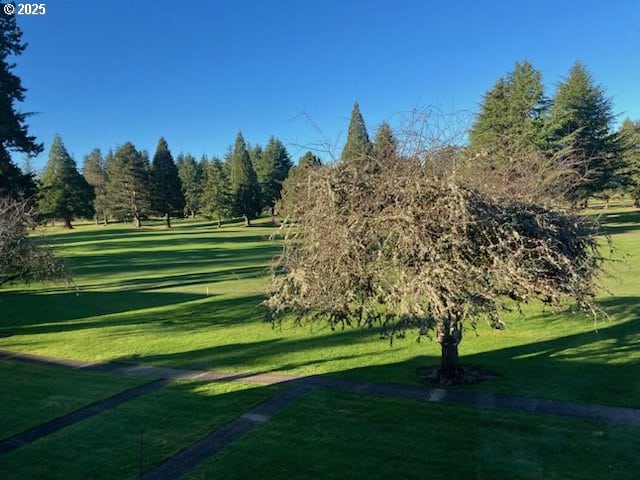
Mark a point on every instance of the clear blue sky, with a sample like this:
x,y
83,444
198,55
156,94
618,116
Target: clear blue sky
x,y
104,72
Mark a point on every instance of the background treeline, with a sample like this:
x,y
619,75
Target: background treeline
x,y
125,184
519,134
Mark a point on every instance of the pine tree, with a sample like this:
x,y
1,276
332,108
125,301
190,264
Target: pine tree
x,y
14,135
385,145
64,193
216,196
272,167
579,128
192,180
166,190
358,148
128,184
95,175
309,160
630,142
244,182
511,118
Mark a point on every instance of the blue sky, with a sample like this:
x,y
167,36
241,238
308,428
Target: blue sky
x,y
196,72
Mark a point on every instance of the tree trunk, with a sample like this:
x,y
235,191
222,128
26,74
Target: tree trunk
x,y
247,222
636,202
137,221
451,372
219,222
95,217
167,220
67,223
273,214
193,214
105,219
606,203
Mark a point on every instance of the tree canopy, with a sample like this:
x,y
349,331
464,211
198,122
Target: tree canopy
x,y
64,193
408,248
14,132
95,175
357,150
245,190
165,187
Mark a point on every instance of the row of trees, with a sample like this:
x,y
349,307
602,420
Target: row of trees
x,y
574,127
125,185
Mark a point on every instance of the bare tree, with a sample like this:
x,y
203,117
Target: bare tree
x,y
22,259
424,244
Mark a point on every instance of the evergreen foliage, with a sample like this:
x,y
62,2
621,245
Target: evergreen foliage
x,y
512,113
14,134
95,175
630,143
385,144
192,180
64,193
245,190
272,167
166,189
579,128
128,184
358,148
217,199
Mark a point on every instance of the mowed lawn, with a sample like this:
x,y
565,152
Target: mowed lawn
x,y
190,297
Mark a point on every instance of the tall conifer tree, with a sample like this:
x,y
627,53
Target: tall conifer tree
x,y
244,182
166,190
94,173
358,148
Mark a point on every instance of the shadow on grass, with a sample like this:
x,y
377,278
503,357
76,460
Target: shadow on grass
x,y
620,222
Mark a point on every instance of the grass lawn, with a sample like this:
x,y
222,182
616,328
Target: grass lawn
x,y
108,446
333,435
189,297
34,394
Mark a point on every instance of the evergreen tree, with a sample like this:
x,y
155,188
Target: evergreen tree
x,y
95,175
579,128
128,184
511,118
272,167
630,142
14,135
244,182
358,148
192,180
309,160
64,193
166,189
216,197
385,145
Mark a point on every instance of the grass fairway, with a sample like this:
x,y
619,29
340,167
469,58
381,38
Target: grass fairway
x,y
189,298
34,394
108,446
332,435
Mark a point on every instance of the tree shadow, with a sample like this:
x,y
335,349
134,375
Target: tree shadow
x,y
620,222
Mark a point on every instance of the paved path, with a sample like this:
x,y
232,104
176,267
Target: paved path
x,y
295,387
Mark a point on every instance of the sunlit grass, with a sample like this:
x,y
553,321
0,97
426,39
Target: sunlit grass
x,y
190,297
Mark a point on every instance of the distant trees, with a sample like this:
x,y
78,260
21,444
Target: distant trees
x,y
14,133
128,184
385,145
64,193
95,175
165,186
630,142
217,199
245,191
357,149
272,167
517,123
192,183
579,127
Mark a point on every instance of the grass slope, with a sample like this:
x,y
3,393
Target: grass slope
x,y
134,436
332,435
189,298
34,394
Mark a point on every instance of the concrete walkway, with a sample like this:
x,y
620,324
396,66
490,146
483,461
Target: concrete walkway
x,y
295,387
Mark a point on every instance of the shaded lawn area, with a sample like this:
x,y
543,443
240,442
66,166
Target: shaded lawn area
x,y
336,435
144,431
189,298
35,394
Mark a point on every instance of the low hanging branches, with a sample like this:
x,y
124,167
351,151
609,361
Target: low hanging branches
x,y
407,248
20,258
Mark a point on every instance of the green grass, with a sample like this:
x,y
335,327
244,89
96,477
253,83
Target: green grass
x,y
108,446
333,435
34,394
189,298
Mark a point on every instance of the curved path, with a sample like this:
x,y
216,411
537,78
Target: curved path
x,y
295,387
